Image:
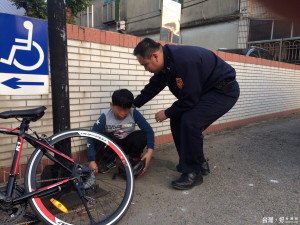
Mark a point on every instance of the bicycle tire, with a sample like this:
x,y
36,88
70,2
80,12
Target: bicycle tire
x,y
111,195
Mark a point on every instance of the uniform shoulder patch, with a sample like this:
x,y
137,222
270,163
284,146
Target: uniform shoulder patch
x,y
179,83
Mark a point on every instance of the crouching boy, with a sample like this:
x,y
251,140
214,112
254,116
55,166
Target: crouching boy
x,y
118,123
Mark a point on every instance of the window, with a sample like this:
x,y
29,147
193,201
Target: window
x,y
296,30
87,17
110,11
282,29
260,30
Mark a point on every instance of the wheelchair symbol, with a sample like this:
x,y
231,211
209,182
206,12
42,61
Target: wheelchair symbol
x,y
29,43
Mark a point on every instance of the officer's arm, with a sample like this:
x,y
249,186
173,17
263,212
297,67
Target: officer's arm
x,y
155,85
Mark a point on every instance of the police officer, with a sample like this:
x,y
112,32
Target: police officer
x,y
205,88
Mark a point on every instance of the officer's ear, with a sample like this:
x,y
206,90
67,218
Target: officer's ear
x,y
155,55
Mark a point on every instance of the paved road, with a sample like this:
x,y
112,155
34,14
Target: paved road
x,y
255,171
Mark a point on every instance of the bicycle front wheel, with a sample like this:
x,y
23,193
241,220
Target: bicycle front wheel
x,y
87,199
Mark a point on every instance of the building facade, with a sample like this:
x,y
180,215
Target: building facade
x,y
212,24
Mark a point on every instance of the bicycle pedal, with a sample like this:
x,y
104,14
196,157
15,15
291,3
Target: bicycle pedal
x,y
59,205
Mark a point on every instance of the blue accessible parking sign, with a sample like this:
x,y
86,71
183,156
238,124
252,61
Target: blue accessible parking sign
x,y
23,56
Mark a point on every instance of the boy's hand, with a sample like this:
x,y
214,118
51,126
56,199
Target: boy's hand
x,y
147,157
93,167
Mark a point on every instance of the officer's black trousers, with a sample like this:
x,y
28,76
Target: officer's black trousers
x,y
187,129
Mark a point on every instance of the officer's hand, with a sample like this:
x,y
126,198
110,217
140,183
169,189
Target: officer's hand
x,y
160,116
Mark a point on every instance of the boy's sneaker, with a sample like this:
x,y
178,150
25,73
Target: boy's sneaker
x,y
104,167
134,161
137,166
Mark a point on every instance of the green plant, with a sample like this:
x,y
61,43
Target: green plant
x,y
38,8
74,7
35,8
77,6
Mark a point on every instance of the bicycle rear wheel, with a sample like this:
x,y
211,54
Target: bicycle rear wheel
x,y
108,195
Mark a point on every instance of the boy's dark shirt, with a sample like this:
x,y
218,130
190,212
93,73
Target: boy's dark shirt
x,y
189,72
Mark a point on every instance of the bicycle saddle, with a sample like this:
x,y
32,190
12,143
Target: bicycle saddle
x,y
31,114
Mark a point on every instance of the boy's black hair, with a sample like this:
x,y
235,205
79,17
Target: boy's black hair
x,y
146,47
123,98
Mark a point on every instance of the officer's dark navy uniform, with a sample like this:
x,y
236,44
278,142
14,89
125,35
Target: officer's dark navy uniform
x,y
206,89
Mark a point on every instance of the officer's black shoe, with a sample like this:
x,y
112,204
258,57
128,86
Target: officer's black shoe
x,y
205,168
187,181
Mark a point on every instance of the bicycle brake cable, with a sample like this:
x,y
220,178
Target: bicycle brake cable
x,y
35,133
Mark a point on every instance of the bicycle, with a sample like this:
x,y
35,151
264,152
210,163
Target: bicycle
x,y
59,188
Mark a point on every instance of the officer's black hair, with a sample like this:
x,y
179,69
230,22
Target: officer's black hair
x,y
146,47
123,98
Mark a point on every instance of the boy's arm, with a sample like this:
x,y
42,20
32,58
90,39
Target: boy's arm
x,y
99,127
145,126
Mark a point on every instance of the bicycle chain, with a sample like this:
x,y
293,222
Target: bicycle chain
x,y
34,221
27,222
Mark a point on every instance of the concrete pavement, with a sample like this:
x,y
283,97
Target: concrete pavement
x,y
254,179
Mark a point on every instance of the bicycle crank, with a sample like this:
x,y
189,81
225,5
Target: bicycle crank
x,y
9,213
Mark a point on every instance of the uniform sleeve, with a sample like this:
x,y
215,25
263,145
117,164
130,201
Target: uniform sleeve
x,y
144,126
99,127
155,85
